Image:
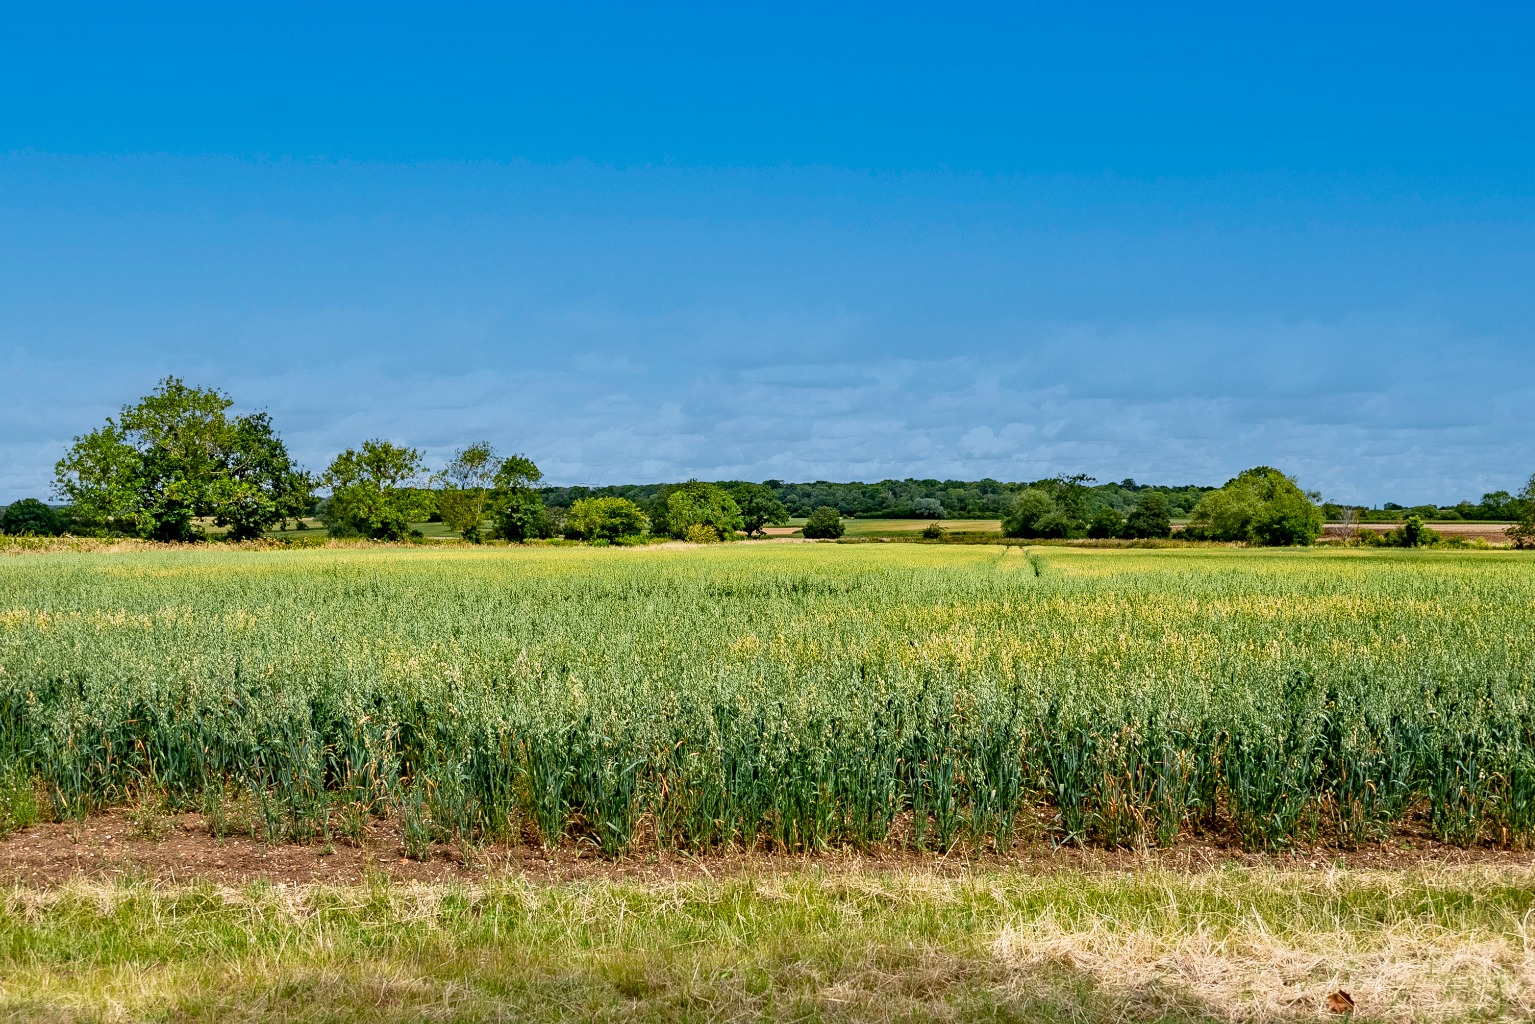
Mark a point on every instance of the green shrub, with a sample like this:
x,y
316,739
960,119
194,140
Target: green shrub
x,y
825,523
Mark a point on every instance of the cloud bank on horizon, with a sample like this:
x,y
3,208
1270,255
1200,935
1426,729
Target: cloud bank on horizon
x,y
959,249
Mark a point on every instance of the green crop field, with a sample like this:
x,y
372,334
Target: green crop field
x,y
779,696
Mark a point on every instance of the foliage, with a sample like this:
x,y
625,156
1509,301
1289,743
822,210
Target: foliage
x,y
30,517
927,508
177,456
1149,519
1522,533
368,493
1029,511
1106,524
699,504
783,697
1259,506
759,507
606,519
1050,509
897,499
466,484
518,509
1411,534
933,531
825,523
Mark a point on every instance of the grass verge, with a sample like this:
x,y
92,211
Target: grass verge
x,y
1225,945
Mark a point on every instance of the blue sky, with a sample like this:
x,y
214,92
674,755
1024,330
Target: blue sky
x,y
653,243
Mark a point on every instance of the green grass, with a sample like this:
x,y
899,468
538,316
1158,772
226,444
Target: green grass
x,y
785,696
907,527
901,946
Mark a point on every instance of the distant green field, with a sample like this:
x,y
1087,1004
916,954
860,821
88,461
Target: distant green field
x,y
906,527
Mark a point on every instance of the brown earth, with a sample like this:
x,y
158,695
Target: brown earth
x,y
1492,533
180,848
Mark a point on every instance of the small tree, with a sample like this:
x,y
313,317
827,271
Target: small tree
x,y
30,517
1522,533
759,507
605,519
825,523
1150,518
368,492
466,484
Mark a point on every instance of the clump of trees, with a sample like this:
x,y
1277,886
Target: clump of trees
x,y
477,484
1149,519
825,523
31,518
1050,509
1411,534
1258,506
605,519
696,511
177,456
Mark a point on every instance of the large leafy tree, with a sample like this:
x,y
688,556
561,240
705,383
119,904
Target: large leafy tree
x,y
177,456
758,506
825,523
369,489
697,504
1260,506
1150,518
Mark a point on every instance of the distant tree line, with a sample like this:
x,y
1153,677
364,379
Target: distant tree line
x,y
179,460
904,499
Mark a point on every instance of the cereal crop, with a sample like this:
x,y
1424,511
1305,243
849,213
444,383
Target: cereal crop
x,y
780,696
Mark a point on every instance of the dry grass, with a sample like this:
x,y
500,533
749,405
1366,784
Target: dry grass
x,y
1263,965
1223,945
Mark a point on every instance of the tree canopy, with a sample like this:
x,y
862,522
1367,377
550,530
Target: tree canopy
x,y
466,482
605,519
759,507
698,504
1522,533
177,456
369,496
1259,506
30,517
517,508
825,523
